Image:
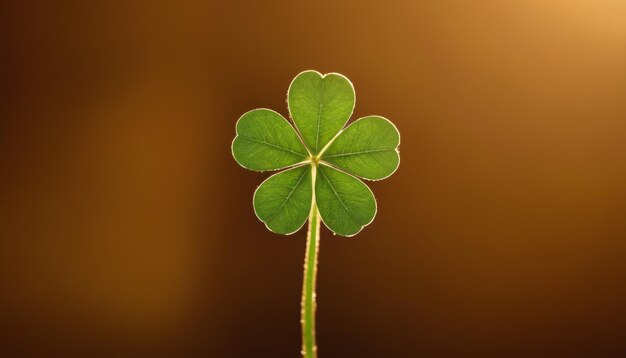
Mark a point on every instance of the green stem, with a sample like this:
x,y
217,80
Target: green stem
x,y
309,349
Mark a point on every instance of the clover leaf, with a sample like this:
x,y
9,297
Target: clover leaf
x,y
323,166
324,160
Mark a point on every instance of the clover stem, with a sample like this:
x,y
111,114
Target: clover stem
x,y
309,349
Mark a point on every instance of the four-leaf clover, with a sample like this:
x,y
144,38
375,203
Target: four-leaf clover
x,y
323,160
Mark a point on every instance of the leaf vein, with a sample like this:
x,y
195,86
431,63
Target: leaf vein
x,y
336,194
288,196
357,153
319,118
271,145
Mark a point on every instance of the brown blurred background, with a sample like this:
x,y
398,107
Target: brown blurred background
x,y
127,229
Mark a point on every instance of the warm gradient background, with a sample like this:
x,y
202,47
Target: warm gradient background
x,y
127,229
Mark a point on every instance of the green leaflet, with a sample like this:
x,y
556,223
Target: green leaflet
x,y
367,148
283,201
345,203
320,105
266,141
